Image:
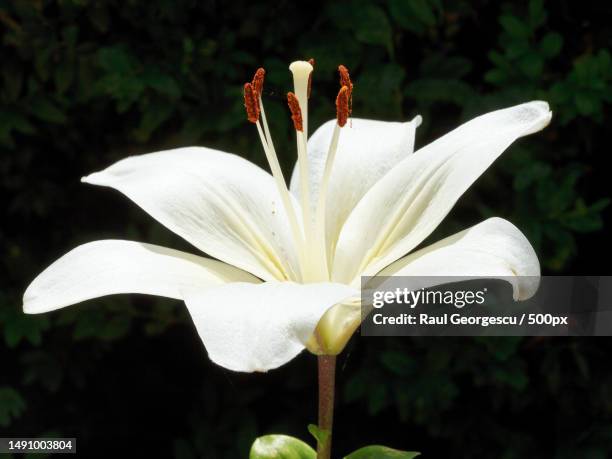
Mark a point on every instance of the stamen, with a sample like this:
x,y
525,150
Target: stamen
x,y
296,112
258,81
342,106
343,111
311,61
251,103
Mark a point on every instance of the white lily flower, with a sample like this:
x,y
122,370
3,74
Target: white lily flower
x,y
290,259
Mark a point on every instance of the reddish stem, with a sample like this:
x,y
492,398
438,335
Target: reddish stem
x,y
327,377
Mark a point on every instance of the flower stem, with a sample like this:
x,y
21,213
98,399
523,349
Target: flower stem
x,y
327,377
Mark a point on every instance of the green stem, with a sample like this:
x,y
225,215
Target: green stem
x,y
327,377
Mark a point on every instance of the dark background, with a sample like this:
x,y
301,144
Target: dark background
x,y
85,83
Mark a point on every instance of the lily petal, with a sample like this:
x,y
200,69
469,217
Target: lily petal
x,y
248,327
367,150
219,202
406,205
494,248
112,266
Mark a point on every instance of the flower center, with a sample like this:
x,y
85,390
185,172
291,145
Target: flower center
x,y
309,237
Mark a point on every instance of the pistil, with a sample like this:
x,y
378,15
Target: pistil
x,y
298,104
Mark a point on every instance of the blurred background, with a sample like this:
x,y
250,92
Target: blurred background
x,y
85,83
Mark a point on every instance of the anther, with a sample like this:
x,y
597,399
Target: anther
x,y
311,61
258,81
345,79
251,103
296,112
342,105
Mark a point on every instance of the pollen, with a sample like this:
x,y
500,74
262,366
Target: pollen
x,y
296,112
251,103
258,81
342,106
311,61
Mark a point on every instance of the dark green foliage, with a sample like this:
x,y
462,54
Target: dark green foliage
x,y
84,83
12,405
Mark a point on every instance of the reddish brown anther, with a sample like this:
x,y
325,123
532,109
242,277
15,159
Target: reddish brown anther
x,y
345,79
258,81
342,106
311,61
296,112
251,103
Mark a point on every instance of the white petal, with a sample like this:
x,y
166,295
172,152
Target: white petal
x,y
248,327
221,203
406,205
494,248
108,267
367,150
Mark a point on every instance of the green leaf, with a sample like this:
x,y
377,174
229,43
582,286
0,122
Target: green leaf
x,y
502,348
12,405
537,15
116,60
375,28
415,15
321,435
13,121
424,12
355,388
155,115
380,88
583,219
398,362
514,26
70,35
63,76
511,375
532,65
586,103
281,447
42,108
496,76
532,173
378,398
551,44
19,326
600,205
162,83
381,452
114,328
